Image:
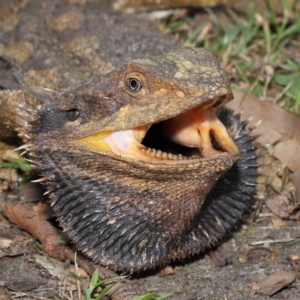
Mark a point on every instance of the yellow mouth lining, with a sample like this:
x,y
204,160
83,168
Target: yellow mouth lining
x,y
197,128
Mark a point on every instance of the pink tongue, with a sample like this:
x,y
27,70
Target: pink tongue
x,y
127,142
193,129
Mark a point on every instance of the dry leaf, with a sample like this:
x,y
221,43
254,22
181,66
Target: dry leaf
x,y
4,243
56,269
273,283
273,255
80,272
278,222
166,271
279,205
296,180
277,128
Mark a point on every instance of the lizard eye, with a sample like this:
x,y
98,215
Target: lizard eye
x,y
133,84
73,114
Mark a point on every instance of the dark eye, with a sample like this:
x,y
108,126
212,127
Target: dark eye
x,y
133,84
73,114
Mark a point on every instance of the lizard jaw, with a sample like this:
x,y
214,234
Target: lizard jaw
x,y
197,128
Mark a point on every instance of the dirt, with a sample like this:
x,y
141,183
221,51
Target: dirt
x,y
200,279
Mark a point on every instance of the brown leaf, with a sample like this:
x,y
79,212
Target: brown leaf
x,y
273,255
80,272
168,270
4,243
273,252
279,205
277,128
273,283
278,222
296,180
294,265
55,269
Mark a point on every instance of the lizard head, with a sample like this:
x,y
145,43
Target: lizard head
x,y
128,158
177,94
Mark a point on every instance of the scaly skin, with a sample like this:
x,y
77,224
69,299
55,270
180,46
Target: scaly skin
x,y
128,212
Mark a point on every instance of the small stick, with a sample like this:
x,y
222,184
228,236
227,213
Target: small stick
x,y
273,242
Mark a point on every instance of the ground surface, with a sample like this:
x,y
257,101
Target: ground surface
x,y
34,276
202,280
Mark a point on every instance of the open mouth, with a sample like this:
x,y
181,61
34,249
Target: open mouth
x,y
189,137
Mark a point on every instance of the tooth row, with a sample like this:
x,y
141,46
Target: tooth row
x,y
164,155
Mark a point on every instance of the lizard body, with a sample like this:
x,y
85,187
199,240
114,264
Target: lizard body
x,y
124,204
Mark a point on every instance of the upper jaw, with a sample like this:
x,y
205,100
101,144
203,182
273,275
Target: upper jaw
x,y
131,113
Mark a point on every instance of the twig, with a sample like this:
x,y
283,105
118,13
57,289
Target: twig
x,y
281,241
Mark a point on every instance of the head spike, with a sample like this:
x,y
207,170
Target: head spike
x,y
25,146
43,179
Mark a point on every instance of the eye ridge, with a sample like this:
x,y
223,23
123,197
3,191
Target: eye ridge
x,y
134,84
73,114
